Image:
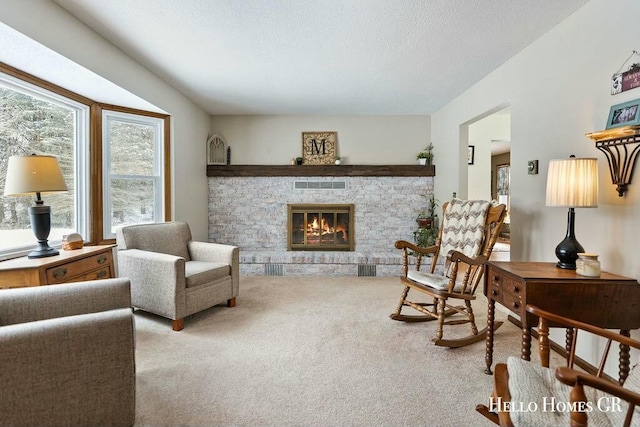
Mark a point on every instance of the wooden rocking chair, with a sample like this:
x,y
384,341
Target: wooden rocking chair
x,y
572,396
466,238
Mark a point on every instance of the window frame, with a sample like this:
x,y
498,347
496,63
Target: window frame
x,y
155,121
94,155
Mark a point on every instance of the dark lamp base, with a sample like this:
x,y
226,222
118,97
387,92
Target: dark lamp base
x,y
41,225
566,265
43,252
567,251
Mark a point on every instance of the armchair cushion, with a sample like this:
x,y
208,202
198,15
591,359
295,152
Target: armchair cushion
x,y
200,272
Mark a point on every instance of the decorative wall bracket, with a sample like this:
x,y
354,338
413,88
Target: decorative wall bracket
x,y
621,146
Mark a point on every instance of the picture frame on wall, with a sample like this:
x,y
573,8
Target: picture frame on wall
x,y
471,154
319,148
625,114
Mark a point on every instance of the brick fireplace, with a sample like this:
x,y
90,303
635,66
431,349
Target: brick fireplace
x,y
252,213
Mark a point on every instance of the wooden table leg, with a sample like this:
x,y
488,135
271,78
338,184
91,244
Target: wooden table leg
x,y
488,357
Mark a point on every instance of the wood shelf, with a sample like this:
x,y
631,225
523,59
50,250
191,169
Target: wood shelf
x,y
320,170
620,133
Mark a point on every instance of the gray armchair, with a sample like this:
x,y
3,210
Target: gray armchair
x,y
174,276
67,354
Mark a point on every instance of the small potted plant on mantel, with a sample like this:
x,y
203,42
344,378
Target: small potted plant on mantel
x,y
425,157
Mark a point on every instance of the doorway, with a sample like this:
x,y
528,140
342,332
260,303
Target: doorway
x,y
489,175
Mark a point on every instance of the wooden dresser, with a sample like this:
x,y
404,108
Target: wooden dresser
x,y
87,263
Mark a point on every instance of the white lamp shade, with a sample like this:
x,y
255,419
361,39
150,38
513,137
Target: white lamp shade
x,y
573,183
33,174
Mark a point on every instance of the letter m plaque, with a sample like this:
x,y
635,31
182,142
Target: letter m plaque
x,y
319,148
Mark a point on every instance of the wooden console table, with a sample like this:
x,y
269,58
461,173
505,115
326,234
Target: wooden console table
x,y
87,263
609,301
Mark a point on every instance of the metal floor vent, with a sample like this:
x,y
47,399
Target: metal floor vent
x,y
273,270
319,185
366,270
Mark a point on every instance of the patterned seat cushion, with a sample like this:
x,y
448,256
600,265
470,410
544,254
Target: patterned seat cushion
x,y
436,281
535,387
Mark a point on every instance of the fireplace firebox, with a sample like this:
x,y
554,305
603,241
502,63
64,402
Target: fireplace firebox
x,y
314,227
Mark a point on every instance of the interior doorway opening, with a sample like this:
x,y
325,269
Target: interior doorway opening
x,y
489,174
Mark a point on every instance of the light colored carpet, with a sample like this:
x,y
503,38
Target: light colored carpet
x,y
311,351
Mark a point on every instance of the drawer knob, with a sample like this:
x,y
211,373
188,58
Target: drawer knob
x,y
101,274
516,289
494,292
102,259
516,305
59,273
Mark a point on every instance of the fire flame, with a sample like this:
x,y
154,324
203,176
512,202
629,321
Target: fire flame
x,y
322,228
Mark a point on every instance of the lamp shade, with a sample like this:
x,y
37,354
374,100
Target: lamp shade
x,y
573,183
33,174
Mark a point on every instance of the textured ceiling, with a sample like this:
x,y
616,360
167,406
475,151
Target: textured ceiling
x,y
321,56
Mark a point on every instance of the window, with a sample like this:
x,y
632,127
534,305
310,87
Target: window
x,y
133,179
36,120
128,182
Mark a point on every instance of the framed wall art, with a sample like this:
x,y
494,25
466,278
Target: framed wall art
x,y
319,148
625,114
471,154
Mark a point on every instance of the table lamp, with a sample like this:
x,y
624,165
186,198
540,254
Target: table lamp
x,y
572,183
37,174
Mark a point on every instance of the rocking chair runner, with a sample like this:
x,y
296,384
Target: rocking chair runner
x,y
466,238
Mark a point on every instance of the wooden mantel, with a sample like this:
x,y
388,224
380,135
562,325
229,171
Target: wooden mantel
x,y
320,170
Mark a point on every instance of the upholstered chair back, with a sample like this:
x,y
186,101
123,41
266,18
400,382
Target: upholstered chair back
x,y
169,238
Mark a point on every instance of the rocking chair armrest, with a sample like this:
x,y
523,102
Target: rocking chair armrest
x,y
403,244
455,256
575,378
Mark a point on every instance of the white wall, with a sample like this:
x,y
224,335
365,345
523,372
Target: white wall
x,y
494,127
47,23
363,140
558,90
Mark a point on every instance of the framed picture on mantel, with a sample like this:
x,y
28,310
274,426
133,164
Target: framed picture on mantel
x,y
319,148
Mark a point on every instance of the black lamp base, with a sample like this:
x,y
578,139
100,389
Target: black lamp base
x,y
41,225
567,251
